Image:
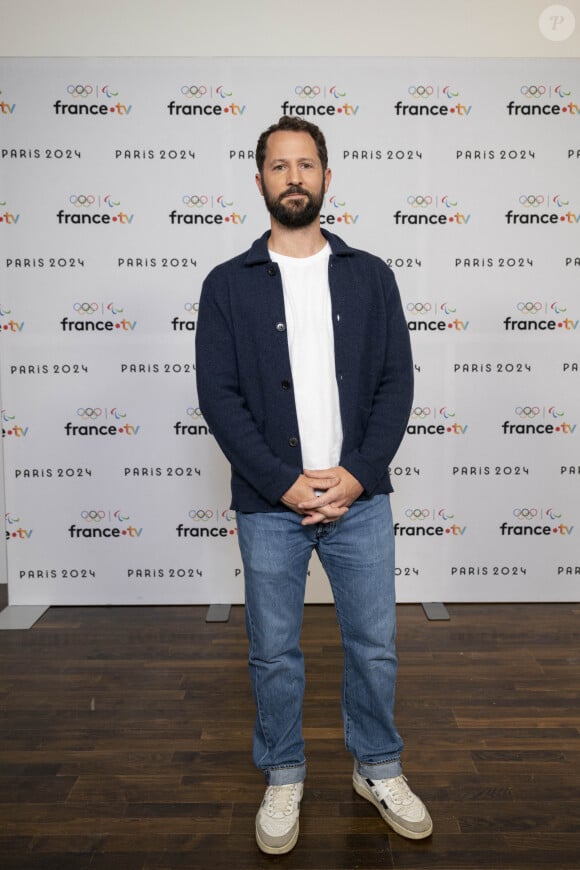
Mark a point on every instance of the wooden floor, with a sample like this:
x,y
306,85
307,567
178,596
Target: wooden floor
x,y
125,743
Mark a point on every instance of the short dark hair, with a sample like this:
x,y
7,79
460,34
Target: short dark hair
x,y
296,125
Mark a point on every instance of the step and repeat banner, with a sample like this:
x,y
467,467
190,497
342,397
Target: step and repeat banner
x,y
124,181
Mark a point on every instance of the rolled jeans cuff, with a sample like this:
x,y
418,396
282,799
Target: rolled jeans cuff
x,y
286,775
381,770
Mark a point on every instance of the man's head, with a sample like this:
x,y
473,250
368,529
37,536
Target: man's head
x,y
293,173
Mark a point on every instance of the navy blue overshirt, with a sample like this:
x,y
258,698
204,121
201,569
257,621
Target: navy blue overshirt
x,y
244,379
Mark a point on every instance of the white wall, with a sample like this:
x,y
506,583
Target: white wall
x,y
387,28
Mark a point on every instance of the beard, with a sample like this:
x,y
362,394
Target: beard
x,y
294,213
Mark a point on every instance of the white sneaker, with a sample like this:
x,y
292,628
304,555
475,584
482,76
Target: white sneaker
x,y
277,819
397,804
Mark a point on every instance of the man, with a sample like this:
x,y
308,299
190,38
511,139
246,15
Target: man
x,y
304,374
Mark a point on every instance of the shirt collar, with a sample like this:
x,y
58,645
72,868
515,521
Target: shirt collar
x,y
259,252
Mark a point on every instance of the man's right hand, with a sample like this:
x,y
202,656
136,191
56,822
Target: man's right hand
x,y
304,490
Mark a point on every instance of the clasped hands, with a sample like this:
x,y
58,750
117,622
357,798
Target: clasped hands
x,y
337,489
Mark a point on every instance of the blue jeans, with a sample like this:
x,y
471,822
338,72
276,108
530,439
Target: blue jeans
x,y
357,553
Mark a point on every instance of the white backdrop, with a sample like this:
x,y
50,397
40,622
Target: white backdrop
x,y
124,181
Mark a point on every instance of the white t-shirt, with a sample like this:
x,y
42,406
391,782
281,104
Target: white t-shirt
x,y
311,344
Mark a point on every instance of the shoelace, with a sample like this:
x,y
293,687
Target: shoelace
x,y
279,800
397,790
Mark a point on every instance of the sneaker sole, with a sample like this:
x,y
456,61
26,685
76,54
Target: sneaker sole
x,y
396,826
277,850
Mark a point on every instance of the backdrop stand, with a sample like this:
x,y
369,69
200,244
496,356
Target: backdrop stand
x,y
21,616
218,613
435,610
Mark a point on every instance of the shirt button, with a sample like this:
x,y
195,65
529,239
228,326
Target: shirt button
x,y
293,442
271,271
281,327
285,385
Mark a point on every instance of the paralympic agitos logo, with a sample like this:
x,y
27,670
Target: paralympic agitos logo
x,y
426,522
429,209
202,100
98,422
94,100
432,100
89,208
315,100
207,209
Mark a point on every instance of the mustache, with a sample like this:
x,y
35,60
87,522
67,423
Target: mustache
x,y
294,189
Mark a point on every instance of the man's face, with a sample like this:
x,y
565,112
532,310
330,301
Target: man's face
x,y
292,180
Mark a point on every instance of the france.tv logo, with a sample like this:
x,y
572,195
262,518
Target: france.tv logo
x,y
429,100
428,420
201,100
8,218
434,317
98,317
430,209
311,99
10,426
207,209
105,524
14,528
536,316
427,522
539,420
6,108
538,208
9,325
533,521
536,101
94,421
89,208
92,100
208,523
337,212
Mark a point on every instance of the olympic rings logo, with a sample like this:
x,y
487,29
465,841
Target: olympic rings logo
x,y
419,307
93,516
194,412
531,200
191,306
79,90
529,307
527,411
89,413
195,201
420,413
83,200
86,307
200,515
190,91
423,91
533,90
417,513
525,513
420,201
307,91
